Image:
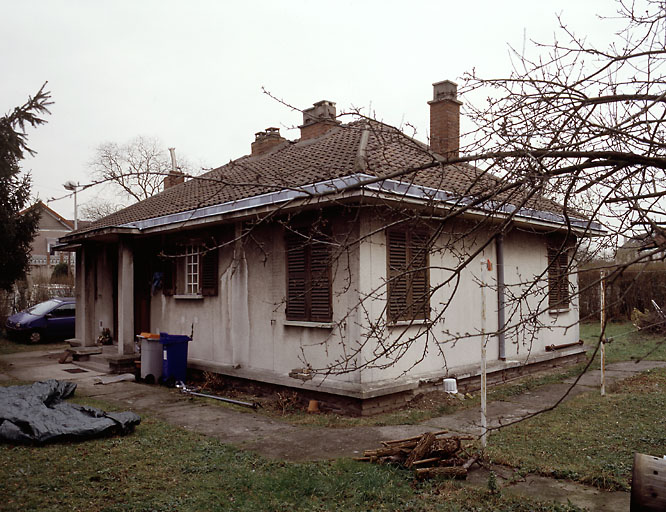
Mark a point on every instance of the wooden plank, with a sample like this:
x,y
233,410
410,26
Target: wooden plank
x,y
422,462
421,448
416,438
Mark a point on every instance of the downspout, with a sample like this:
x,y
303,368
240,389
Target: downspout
x,y
501,322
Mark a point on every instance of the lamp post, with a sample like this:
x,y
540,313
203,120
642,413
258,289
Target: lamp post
x,y
70,185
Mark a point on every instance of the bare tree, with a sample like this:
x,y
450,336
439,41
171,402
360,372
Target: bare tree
x,y
136,169
98,208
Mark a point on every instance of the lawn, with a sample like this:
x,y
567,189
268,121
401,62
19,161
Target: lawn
x,y
628,343
8,346
163,468
591,439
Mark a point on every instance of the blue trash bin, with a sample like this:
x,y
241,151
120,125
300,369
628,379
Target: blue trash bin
x,y
174,356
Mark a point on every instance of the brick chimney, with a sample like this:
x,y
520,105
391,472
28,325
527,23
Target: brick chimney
x,y
265,141
175,176
445,119
318,119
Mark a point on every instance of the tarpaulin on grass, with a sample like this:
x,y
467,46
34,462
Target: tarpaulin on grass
x,y
37,413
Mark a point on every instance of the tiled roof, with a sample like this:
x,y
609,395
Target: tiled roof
x,y
342,151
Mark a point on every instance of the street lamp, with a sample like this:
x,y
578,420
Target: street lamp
x,y
70,185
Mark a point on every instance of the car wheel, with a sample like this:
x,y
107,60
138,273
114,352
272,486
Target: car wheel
x,y
35,337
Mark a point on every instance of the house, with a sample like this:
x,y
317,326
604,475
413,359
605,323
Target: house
x,y
641,248
43,259
323,265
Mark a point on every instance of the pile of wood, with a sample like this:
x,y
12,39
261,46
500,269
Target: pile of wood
x,y
430,454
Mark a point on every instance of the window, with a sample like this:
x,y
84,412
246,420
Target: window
x,y
66,310
308,277
408,279
558,277
191,270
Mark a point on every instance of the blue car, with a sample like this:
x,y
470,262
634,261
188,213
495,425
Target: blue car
x,y
47,321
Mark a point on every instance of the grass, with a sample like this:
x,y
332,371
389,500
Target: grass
x,y
591,439
8,346
163,468
628,343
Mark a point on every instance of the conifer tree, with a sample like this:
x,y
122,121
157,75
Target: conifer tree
x,y
17,229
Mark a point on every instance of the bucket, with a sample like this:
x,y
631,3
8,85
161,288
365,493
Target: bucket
x,y
450,386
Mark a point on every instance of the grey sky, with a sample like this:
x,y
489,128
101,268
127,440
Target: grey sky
x,y
190,73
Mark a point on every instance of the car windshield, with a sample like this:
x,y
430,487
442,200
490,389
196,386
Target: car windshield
x,y
44,307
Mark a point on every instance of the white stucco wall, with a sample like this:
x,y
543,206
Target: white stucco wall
x,y
244,325
453,338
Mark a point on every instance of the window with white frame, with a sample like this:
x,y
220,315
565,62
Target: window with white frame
x,y
192,267
190,270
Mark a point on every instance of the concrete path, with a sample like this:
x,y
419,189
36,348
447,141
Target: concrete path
x,y
276,439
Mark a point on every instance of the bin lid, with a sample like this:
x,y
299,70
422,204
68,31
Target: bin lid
x,y
166,338
149,335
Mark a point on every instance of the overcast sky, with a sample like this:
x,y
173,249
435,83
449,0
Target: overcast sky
x,y
191,73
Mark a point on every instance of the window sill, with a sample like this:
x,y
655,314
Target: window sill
x,y
410,323
558,311
188,297
315,325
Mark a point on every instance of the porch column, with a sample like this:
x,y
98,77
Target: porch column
x,y
125,298
83,326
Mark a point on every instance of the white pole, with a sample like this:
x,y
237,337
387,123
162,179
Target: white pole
x,y
484,426
603,331
76,212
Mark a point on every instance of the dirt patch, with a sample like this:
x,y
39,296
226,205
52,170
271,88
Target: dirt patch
x,y
439,401
285,402
650,381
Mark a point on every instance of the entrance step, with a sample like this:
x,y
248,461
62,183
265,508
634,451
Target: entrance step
x,y
104,359
122,364
83,353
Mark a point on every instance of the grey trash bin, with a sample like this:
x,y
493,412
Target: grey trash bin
x,y
151,358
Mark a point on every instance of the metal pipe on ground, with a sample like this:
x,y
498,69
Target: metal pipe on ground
x,y
190,391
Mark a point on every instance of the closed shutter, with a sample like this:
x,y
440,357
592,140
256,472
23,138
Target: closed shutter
x,y
558,281
296,277
408,279
397,277
320,282
420,289
209,273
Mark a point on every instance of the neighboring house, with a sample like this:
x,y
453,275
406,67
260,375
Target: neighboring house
x,y
319,252
642,248
43,259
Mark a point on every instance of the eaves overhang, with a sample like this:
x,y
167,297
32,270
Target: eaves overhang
x,y
358,184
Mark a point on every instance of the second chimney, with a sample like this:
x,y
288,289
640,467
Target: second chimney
x,y
175,176
318,119
445,119
265,141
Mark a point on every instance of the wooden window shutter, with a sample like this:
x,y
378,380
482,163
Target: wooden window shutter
x,y
297,306
209,273
320,282
397,277
558,280
418,276
408,279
